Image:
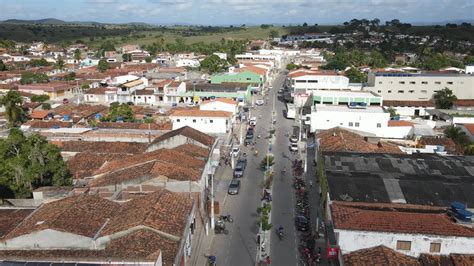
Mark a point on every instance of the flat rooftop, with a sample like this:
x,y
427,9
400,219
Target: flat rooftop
x,y
343,93
424,179
345,108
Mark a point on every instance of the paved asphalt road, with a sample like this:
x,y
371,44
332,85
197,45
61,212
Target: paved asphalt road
x,y
239,246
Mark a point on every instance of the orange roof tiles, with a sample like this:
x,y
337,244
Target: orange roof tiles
x,y
341,140
396,218
464,103
254,69
39,114
199,113
101,146
301,73
223,100
469,128
10,218
188,132
379,255
399,123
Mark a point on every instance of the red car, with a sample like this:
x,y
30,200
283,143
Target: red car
x,y
65,101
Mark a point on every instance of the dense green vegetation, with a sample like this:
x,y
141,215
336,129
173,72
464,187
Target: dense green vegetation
x,y
103,65
29,162
213,64
122,112
30,77
293,66
39,98
444,99
14,112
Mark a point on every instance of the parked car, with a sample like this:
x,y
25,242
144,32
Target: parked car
x,y
239,170
65,101
301,223
293,139
253,121
235,151
234,187
280,91
259,102
249,139
243,161
294,147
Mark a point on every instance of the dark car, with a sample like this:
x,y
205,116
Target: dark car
x,y
249,138
301,223
65,101
243,161
234,187
240,167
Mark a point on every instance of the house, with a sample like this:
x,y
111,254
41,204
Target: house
x,y
369,119
468,129
420,178
399,129
185,62
303,81
219,104
181,136
150,229
54,90
173,90
129,47
338,97
213,122
409,229
410,108
240,76
203,91
39,114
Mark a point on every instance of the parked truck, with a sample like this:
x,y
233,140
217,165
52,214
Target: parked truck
x,y
290,111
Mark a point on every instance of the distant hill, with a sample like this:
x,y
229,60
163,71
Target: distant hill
x,y
46,21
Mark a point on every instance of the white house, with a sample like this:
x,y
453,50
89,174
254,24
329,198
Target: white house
x,y
305,81
172,90
372,119
409,229
185,62
219,104
410,108
212,122
399,129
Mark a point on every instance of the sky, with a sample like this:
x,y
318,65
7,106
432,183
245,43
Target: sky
x,y
237,12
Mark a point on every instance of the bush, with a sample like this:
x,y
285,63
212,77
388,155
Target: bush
x,y
46,106
39,98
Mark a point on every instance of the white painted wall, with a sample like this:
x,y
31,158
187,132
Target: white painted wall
x,y
463,120
219,106
410,111
315,82
203,124
187,62
47,238
355,240
322,120
399,132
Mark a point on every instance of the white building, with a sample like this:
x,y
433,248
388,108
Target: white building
x,y
172,90
470,69
409,229
222,56
372,119
304,81
185,62
399,129
212,122
410,108
419,86
219,104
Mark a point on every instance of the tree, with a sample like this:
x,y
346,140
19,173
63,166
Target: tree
x,y
148,59
14,112
436,62
305,24
212,64
28,162
29,77
127,57
393,112
39,98
60,64
103,65
77,55
457,135
356,76
120,112
444,99
46,106
274,34
3,67
39,62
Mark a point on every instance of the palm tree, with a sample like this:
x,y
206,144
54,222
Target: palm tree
x,y
14,113
457,135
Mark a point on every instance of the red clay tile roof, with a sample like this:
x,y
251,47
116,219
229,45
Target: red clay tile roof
x,y
301,73
81,110
379,255
408,103
39,114
338,139
257,70
462,259
464,103
101,147
396,218
193,150
48,124
189,132
448,144
125,175
199,113
399,123
469,128
430,259
130,125
224,100
10,218
84,164
141,245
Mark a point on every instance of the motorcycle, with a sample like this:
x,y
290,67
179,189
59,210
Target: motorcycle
x,y
227,218
220,228
280,233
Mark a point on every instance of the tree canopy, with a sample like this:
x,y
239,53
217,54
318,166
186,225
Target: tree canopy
x,y
212,64
30,77
103,65
13,104
121,112
444,99
29,162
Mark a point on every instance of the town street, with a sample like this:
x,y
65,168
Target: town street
x,y
239,246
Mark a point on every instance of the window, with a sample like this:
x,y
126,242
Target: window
x,y
435,247
403,245
450,82
301,81
380,82
194,120
411,91
424,82
437,82
379,91
351,124
401,91
312,81
177,120
423,91
357,124
389,91
402,82
412,82
211,121
248,78
379,125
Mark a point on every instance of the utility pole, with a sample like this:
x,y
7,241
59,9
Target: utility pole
x,y
212,201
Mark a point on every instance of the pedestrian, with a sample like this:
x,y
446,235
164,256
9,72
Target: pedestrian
x,y
267,260
311,183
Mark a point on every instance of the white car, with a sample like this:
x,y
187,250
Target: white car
x,y
294,147
253,121
260,102
235,151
